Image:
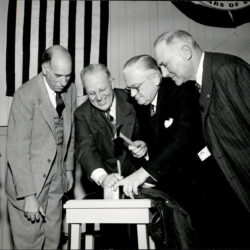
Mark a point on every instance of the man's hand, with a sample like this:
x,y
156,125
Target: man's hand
x,y
139,150
109,180
132,182
32,208
70,179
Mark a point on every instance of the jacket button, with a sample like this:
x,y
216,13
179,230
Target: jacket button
x,y
208,96
44,175
49,160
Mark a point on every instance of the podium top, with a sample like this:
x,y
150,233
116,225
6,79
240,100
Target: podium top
x,y
101,203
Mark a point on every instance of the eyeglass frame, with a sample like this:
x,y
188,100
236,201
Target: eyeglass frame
x,y
137,89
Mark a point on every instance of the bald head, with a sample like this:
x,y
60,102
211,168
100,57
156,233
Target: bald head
x,y
57,67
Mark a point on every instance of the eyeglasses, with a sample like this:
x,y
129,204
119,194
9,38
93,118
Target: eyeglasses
x,y
136,86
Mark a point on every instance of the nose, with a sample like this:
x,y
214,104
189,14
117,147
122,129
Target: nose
x,y
164,71
98,96
65,80
133,92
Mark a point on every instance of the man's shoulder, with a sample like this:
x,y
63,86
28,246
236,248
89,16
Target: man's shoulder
x,y
84,108
222,59
170,89
28,89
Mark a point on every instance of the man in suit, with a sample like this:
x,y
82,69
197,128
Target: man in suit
x,y
40,152
225,110
171,131
96,151
95,131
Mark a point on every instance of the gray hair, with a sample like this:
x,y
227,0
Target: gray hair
x,y
143,63
95,68
171,37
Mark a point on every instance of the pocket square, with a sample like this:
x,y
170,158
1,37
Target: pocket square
x,y
168,122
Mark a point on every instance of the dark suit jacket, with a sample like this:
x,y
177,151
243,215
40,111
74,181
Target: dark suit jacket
x,y
94,144
172,149
225,105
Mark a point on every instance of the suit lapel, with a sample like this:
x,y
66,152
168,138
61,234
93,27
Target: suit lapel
x,y
45,105
67,117
100,123
207,86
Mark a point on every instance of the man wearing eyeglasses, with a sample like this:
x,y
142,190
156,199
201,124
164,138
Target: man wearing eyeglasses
x,y
171,129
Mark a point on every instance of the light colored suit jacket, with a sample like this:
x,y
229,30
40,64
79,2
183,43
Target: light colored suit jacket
x,y
31,138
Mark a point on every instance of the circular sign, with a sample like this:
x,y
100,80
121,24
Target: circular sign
x,y
226,5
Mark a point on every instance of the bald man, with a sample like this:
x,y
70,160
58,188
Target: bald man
x,y
40,149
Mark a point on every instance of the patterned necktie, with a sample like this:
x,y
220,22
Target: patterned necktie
x,y
110,117
59,104
152,110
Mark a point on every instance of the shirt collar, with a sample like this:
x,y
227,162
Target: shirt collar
x,y
154,102
50,91
200,70
113,108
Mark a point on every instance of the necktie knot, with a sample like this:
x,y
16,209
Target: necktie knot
x,y
152,110
59,104
110,117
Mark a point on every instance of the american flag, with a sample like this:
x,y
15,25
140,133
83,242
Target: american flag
x,y
34,25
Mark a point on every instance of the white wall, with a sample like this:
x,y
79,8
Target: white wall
x,y
133,27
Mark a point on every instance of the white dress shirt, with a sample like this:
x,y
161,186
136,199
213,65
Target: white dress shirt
x,y
200,70
52,93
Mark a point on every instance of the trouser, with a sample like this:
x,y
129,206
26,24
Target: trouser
x,y
44,234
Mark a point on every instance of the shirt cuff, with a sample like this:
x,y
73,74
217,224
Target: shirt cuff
x,y
96,174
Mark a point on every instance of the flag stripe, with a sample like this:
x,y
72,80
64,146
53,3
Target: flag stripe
x,y
42,32
50,23
87,32
19,45
33,64
56,36
26,39
79,51
10,48
72,34
95,32
64,23
103,49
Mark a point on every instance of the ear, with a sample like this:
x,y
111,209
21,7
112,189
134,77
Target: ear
x,y
45,68
186,51
156,79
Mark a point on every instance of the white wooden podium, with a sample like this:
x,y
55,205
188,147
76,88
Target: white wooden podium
x,y
125,211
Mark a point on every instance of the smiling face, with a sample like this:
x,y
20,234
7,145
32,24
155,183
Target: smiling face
x,y
175,62
58,71
141,84
99,90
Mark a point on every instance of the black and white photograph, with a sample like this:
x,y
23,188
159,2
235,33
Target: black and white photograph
x,y
124,124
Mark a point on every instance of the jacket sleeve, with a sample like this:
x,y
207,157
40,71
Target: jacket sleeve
x,y
19,143
185,135
86,151
70,163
